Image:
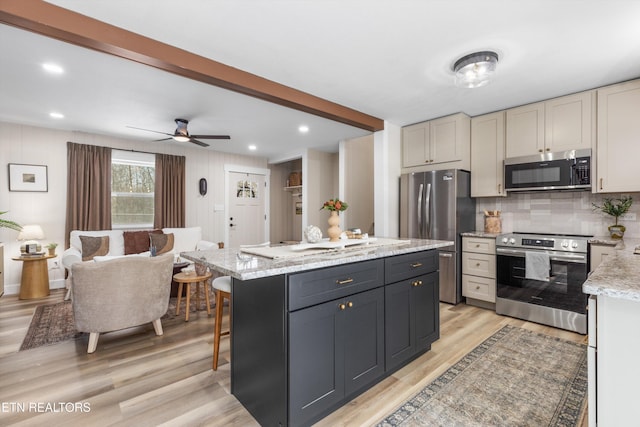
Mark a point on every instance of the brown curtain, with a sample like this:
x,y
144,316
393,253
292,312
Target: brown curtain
x,y
170,191
88,188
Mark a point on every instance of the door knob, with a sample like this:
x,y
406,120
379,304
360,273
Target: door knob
x,y
342,306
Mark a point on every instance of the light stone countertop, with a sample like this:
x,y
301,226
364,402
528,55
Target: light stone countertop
x,y
247,267
482,234
619,275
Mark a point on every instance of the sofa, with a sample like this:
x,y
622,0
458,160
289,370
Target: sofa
x,y
120,243
120,293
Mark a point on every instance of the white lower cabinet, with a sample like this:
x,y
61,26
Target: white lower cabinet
x,y
614,371
479,270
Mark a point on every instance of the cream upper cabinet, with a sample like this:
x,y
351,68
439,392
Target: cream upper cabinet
x,y
525,130
559,124
415,145
487,155
442,140
568,122
618,137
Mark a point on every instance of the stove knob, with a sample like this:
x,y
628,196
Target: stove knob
x,y
565,244
512,241
505,240
574,245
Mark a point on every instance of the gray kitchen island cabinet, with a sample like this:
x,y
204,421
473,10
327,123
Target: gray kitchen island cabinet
x,y
307,341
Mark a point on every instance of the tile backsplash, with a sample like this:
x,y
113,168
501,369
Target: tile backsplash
x,y
557,212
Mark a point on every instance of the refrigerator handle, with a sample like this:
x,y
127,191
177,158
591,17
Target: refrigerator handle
x,y
427,209
420,211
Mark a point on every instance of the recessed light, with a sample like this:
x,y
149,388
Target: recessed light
x,y
303,129
253,147
55,115
52,68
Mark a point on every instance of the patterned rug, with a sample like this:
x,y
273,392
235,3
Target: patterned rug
x,y
54,323
514,378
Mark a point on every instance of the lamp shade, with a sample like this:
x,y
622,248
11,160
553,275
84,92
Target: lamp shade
x,y
474,70
31,232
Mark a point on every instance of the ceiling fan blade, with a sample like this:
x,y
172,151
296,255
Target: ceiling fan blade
x,y
211,136
200,143
149,130
163,139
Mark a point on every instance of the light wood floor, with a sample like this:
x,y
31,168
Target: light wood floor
x,y
137,378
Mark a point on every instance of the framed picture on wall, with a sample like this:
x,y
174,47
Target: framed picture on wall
x,y
28,177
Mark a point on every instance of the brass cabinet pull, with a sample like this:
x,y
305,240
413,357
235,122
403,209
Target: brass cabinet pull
x,y
548,149
416,283
342,306
540,150
499,188
477,245
601,183
416,265
477,288
344,282
350,304
477,264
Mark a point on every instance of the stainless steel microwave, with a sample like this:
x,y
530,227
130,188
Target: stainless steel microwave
x,y
566,170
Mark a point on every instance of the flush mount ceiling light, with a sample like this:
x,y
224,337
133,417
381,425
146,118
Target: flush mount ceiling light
x,y
474,70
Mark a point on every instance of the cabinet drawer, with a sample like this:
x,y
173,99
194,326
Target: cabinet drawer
x,y
317,286
479,245
479,264
481,288
403,267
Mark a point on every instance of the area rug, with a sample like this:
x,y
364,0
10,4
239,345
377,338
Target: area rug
x,y
515,378
54,323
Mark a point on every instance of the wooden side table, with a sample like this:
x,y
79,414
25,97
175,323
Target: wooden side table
x,y
188,279
35,276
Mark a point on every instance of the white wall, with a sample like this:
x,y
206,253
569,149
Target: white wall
x,y
356,166
40,146
387,155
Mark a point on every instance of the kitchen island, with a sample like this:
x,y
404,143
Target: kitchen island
x,y
614,346
311,332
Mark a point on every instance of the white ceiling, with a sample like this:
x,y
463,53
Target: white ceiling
x,y
387,58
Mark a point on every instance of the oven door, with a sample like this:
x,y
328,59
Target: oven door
x,y
568,271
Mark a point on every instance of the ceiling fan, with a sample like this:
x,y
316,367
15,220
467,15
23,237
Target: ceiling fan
x,y
182,135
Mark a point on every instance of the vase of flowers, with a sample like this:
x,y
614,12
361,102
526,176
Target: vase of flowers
x,y
334,206
616,208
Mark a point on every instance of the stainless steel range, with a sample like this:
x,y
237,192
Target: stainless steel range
x,y
540,277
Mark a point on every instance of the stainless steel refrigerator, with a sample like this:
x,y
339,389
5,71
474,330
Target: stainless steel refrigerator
x,y
437,205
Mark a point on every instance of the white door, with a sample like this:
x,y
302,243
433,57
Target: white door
x,y
246,219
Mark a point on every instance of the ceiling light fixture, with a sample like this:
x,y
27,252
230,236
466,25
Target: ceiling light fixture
x,y
181,138
52,68
303,129
474,70
253,147
55,115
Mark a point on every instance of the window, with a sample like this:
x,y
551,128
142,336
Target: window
x,y
132,189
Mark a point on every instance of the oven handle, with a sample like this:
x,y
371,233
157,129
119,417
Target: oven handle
x,y
553,256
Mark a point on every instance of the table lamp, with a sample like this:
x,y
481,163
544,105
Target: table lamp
x,y
30,234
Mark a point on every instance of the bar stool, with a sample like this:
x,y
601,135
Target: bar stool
x,y
222,289
188,279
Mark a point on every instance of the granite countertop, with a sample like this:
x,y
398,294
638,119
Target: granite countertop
x,y
232,262
483,234
619,275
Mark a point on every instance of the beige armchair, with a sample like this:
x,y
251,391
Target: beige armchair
x,y
120,293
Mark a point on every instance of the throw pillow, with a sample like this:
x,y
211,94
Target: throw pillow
x,y
136,242
162,242
94,246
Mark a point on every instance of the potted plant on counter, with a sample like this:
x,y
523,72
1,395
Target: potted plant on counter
x,y
616,208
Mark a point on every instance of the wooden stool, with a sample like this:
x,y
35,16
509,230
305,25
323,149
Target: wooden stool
x,y
222,288
188,279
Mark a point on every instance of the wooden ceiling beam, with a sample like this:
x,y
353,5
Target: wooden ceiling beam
x,y
53,21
